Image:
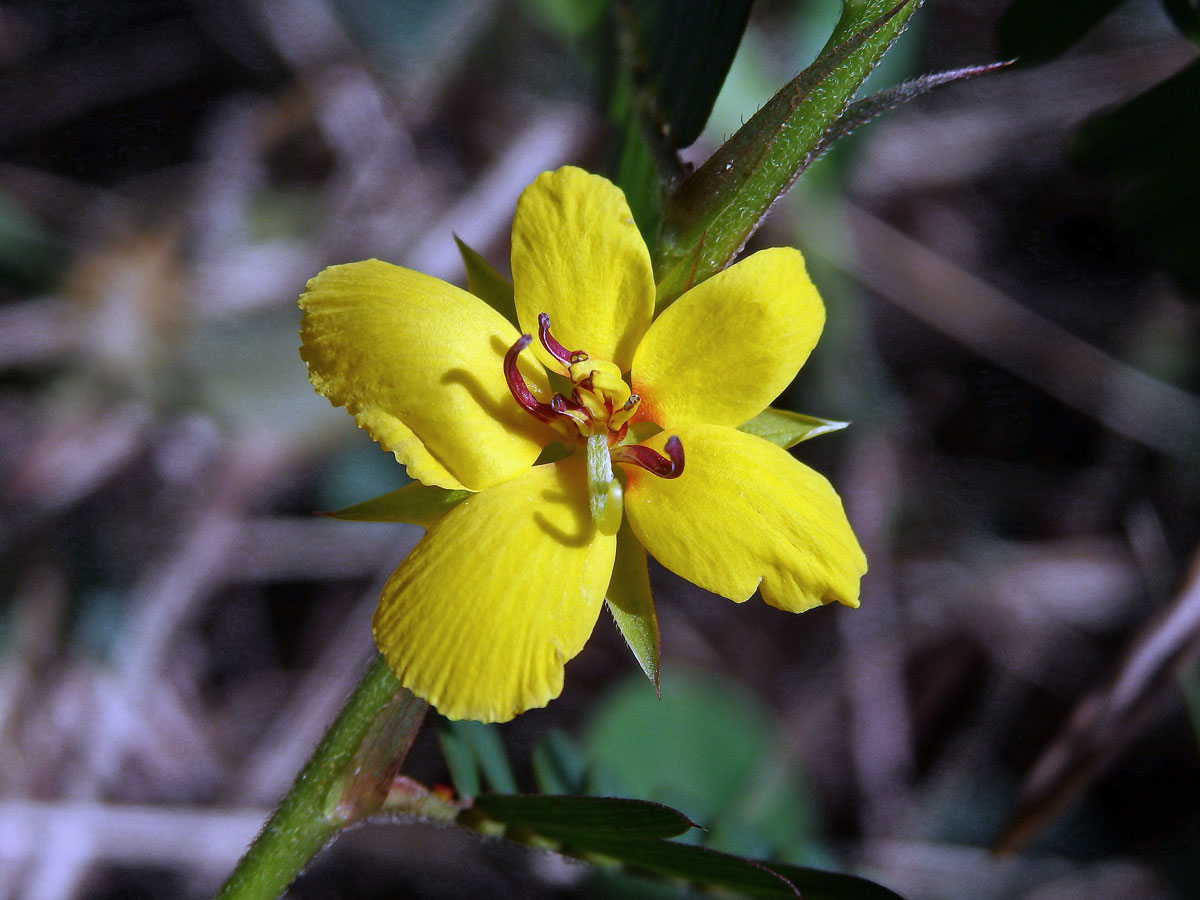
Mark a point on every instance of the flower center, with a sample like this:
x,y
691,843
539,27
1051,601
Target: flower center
x,y
600,406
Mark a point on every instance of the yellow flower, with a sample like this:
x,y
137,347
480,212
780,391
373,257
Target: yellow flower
x,y
482,616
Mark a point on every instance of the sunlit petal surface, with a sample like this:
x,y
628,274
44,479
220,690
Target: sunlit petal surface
x,y
725,349
745,515
482,616
578,256
419,363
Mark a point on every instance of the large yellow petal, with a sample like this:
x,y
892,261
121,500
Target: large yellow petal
x,y
419,363
577,255
483,615
730,345
746,515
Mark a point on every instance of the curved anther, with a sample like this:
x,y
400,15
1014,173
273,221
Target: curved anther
x,y
519,388
569,408
669,466
553,347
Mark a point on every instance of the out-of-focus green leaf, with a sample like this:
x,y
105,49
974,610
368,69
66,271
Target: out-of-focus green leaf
x,y
681,53
1036,31
559,766
487,284
712,214
29,254
675,55
1152,144
638,178
631,604
709,749
583,820
420,504
569,19
461,761
476,746
697,749
1186,15
787,429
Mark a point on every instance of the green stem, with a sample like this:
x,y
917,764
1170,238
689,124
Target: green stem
x,y
309,815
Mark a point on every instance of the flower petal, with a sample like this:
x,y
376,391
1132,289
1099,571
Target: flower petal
x,y
730,345
483,615
419,364
577,255
744,515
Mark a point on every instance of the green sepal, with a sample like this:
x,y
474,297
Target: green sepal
x,y
712,214
631,604
420,504
487,284
787,429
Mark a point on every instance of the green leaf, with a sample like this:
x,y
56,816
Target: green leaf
x,y
559,766
1037,31
631,604
675,55
682,51
700,865
487,284
817,884
420,504
461,761
583,821
486,749
699,748
635,833
787,429
712,214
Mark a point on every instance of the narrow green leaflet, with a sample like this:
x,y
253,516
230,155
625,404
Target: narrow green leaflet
x,y
420,504
559,766
635,833
582,820
476,757
487,284
786,429
631,604
712,214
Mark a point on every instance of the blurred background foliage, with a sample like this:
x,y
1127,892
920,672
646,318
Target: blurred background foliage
x,y
1010,270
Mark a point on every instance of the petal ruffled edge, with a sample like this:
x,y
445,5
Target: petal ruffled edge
x,y
482,616
744,516
419,364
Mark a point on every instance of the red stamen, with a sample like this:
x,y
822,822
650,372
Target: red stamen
x,y
519,388
553,347
669,466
